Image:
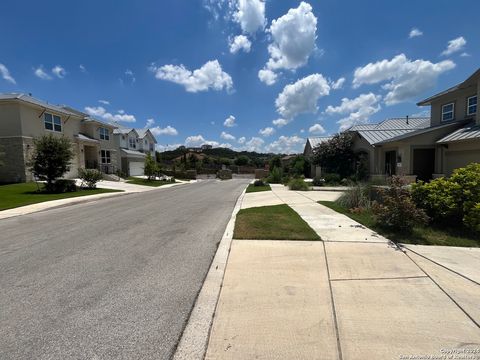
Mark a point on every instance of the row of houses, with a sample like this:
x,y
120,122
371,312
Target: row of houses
x,y
96,144
421,148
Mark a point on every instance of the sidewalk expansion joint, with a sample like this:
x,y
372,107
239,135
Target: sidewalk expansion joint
x,y
335,321
443,266
443,290
385,278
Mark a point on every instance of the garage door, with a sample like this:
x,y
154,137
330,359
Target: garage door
x,y
135,168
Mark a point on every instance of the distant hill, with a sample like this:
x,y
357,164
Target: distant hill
x,y
218,153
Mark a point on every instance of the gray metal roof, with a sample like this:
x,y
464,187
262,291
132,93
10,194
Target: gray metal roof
x,y
468,132
134,153
314,141
375,136
31,100
85,138
390,128
122,130
421,131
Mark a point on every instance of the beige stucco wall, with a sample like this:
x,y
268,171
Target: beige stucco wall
x,y
460,154
10,119
459,98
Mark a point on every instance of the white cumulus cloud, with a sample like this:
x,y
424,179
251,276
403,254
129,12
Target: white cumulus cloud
x,y
209,76
230,121
280,122
166,147
250,14
293,41
104,102
454,46
59,71
302,96
226,136
286,145
168,130
41,73
103,114
238,43
267,76
406,79
195,140
254,144
242,140
316,129
268,131
6,74
358,109
414,33
335,85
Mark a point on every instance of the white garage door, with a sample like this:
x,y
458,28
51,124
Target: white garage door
x,y
135,168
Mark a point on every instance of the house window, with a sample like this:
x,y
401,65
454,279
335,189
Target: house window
x,y
152,148
146,142
448,111
52,122
472,105
105,154
104,134
132,142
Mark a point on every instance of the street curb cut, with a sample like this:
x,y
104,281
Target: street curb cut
x,y
194,340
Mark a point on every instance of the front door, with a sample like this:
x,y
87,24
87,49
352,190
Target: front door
x,y
391,162
424,163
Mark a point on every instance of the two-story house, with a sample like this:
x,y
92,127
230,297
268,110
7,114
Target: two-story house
x,y
421,148
23,118
451,141
133,145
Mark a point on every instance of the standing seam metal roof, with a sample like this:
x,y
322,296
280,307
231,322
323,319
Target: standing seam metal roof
x,y
468,132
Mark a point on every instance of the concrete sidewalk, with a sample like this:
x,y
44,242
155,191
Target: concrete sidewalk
x,y
353,295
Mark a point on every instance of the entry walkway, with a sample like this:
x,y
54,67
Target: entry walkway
x,y
353,295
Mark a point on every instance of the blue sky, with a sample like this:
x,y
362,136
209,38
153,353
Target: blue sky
x,y
247,74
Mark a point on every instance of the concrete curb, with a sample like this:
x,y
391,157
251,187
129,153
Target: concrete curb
x,y
194,341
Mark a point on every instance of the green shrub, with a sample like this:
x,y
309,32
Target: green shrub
x,y
454,200
397,211
298,184
275,176
356,197
90,177
332,179
259,183
62,186
318,181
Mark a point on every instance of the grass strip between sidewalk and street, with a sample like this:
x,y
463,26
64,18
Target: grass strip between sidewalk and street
x,y
278,222
252,188
16,195
420,235
146,182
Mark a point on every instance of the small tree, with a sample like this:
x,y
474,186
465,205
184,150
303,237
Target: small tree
x,y
90,177
275,162
51,158
242,160
150,167
336,155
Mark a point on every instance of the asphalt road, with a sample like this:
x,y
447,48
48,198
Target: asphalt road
x,y
112,279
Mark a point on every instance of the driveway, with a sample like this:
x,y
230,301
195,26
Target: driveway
x,y
113,279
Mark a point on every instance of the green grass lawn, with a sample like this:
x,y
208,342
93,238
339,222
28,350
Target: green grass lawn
x,y
15,195
277,222
146,182
252,188
421,235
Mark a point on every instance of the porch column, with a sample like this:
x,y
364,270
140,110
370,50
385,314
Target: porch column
x,y
478,97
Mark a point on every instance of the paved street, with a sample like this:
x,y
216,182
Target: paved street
x,y
113,279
